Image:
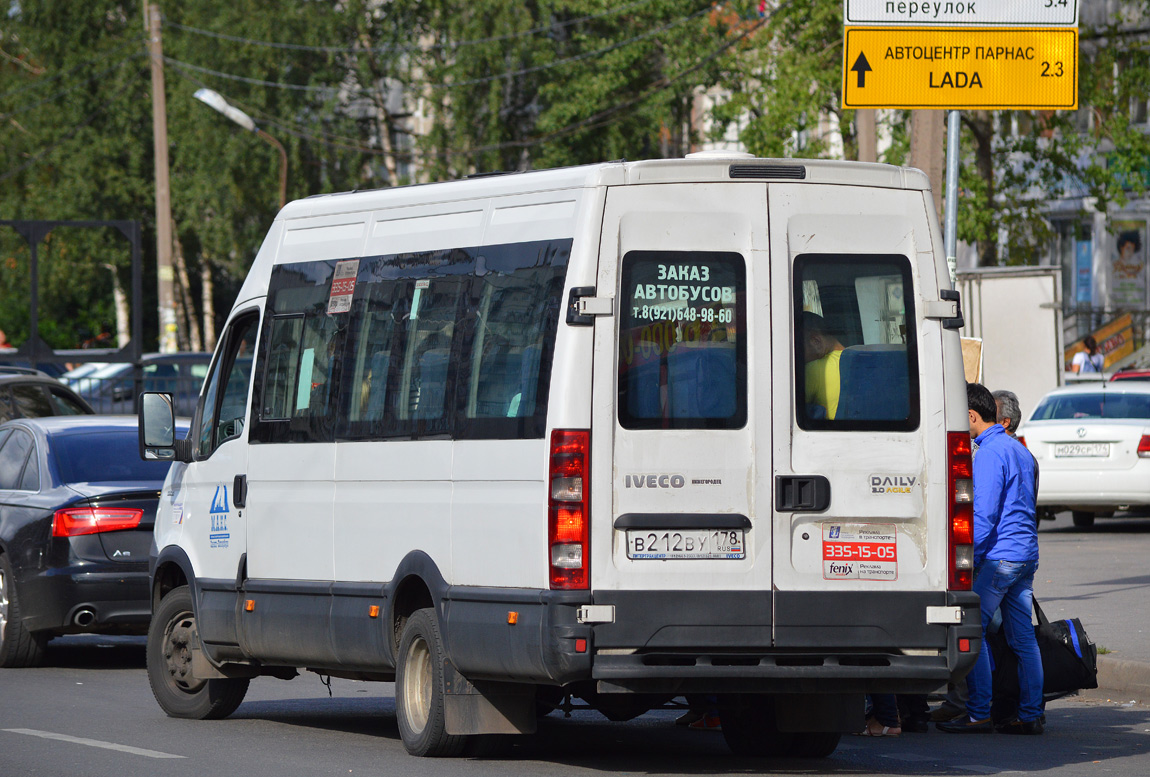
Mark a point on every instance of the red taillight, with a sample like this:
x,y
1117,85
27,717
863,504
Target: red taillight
x,y
1144,447
74,521
568,522
960,504
1024,445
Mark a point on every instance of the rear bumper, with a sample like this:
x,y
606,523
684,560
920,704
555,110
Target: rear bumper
x,y
809,642
716,641
115,593
1101,489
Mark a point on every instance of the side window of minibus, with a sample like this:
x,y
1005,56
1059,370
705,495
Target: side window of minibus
x,y
225,400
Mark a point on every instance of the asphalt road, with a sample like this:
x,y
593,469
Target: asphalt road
x,y
1101,576
89,712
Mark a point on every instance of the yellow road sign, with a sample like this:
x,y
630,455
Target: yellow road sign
x,y
961,68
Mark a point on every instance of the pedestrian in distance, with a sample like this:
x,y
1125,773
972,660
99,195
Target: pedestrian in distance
x,y
1005,559
1090,360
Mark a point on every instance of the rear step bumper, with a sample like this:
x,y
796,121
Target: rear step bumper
x,y
769,673
793,641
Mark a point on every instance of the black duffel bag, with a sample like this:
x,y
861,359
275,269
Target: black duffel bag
x,y
1069,663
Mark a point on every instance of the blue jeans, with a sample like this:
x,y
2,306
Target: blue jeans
x,y
1009,585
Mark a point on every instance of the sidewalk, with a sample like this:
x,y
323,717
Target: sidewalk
x,y
1128,680
1099,576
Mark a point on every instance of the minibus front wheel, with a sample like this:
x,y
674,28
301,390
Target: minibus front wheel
x,y
172,636
420,688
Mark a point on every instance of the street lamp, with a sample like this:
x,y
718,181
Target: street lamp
x,y
215,100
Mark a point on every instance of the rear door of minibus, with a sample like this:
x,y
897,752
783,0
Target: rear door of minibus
x,y
859,423
681,532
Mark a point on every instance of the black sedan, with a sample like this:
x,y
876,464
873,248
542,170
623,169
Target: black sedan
x,y
77,506
28,393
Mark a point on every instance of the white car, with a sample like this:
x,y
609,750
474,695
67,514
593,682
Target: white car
x,y
1092,443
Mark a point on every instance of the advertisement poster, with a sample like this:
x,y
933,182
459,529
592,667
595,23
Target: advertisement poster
x,y
1128,264
1083,262
1115,340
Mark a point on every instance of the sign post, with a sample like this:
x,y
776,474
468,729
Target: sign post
x,y
951,54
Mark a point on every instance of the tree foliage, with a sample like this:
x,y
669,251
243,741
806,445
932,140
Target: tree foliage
x,y
372,93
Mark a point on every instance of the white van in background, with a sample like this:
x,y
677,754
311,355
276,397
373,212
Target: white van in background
x,y
554,434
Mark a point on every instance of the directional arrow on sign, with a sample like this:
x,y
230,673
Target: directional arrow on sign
x,y
862,67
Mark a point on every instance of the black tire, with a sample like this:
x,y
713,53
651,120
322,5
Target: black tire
x,y
1082,519
169,659
750,729
815,744
420,690
18,646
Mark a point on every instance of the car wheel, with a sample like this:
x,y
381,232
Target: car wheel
x,y
749,728
419,689
18,646
1082,519
171,636
815,744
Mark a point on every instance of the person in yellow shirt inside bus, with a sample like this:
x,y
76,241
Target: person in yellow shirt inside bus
x,y
822,351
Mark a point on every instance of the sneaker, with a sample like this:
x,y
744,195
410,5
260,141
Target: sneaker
x,y
984,726
946,711
1024,727
707,723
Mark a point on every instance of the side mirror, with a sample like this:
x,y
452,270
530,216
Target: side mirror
x,y
157,427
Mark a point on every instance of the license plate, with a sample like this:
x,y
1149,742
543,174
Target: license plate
x,y
1082,450
686,544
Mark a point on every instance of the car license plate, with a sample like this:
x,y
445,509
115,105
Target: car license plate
x,y
686,544
1069,450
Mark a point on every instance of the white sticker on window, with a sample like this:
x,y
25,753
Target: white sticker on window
x,y
342,286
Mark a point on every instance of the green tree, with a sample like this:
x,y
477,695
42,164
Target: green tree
x,y
786,87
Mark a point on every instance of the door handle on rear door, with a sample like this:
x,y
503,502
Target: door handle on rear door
x,y
802,493
240,491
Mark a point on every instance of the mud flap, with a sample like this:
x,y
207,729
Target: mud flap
x,y
487,707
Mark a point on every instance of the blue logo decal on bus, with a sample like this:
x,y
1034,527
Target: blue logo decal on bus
x,y
218,537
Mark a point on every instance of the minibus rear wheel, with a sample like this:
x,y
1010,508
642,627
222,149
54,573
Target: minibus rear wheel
x,y
420,689
171,638
750,728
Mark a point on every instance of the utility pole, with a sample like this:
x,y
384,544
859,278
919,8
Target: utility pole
x,y
866,123
164,274
927,130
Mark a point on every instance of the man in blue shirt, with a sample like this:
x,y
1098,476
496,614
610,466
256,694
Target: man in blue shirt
x,y
1005,559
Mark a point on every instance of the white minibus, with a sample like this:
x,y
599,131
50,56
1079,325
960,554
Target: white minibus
x,y
617,434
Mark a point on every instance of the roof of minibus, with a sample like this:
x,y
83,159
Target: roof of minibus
x,y
705,167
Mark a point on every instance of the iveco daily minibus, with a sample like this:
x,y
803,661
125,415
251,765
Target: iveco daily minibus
x,y
616,433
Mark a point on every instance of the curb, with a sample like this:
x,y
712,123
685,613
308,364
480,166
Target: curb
x,y
1129,678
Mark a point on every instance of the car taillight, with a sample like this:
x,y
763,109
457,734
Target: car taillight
x,y
74,521
960,499
1144,447
568,507
1024,445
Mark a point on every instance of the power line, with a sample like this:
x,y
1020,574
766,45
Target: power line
x,y
45,81
86,80
453,85
597,119
411,47
71,134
